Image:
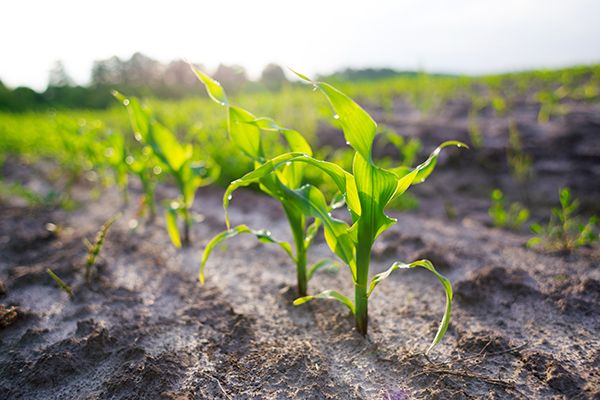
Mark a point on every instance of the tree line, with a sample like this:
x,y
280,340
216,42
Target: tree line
x,y
140,75
143,76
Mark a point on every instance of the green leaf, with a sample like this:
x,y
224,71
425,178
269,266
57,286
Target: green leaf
x,y
171,220
296,142
327,294
565,197
311,232
536,228
311,202
138,118
376,186
358,126
324,263
66,288
303,77
420,173
244,133
262,235
344,180
291,174
167,148
213,88
425,169
443,280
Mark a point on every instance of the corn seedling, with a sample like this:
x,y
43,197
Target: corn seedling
x,y
246,131
143,166
367,191
504,215
178,161
94,249
51,199
519,162
549,101
61,284
475,134
564,231
116,156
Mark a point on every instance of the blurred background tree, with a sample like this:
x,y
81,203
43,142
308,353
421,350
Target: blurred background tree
x,y
273,77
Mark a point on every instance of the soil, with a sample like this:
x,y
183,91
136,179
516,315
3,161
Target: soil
x,y
525,324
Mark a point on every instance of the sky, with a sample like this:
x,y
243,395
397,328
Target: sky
x,y
456,36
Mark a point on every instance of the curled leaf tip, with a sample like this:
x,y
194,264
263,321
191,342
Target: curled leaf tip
x,y
301,76
302,300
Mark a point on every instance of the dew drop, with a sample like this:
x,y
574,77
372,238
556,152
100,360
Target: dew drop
x,y
348,143
129,160
157,170
137,136
336,116
126,102
229,197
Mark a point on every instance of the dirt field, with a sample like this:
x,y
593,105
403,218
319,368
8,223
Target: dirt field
x,y
526,324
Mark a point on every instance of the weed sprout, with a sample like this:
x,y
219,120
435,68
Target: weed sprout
x,y
505,215
564,231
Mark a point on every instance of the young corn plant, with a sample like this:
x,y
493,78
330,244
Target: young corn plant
x,y
177,160
245,130
143,165
565,231
368,189
519,162
116,156
504,215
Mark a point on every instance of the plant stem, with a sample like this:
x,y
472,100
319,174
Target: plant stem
x,y
186,227
361,300
301,269
297,223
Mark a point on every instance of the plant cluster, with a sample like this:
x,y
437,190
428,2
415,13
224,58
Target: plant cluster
x,y
175,158
367,189
505,215
565,231
247,132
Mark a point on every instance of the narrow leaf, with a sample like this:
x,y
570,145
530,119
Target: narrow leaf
x,y
327,294
443,280
171,219
423,170
262,235
213,87
66,288
324,263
